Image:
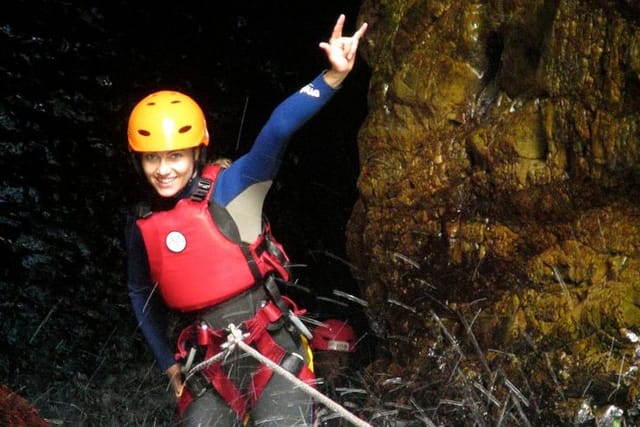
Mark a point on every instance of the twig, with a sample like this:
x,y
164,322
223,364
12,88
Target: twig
x,y
45,320
516,392
474,341
350,297
399,304
244,113
560,280
523,417
336,257
406,259
619,377
487,393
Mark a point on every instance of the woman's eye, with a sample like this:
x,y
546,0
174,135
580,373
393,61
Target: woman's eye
x,y
175,156
150,157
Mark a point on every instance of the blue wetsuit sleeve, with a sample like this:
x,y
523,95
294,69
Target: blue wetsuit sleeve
x,y
146,302
262,162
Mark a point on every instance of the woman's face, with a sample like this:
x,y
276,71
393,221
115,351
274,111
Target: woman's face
x,y
169,171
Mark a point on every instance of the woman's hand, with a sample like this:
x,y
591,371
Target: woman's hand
x,y
175,379
223,162
341,52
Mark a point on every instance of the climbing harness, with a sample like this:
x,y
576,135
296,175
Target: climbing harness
x,y
207,337
236,339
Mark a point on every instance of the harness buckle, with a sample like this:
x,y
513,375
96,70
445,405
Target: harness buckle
x,y
198,384
279,301
293,362
297,323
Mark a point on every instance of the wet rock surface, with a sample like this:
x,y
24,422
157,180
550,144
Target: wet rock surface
x,y
498,212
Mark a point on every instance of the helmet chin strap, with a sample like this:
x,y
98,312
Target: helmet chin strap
x,y
200,157
199,162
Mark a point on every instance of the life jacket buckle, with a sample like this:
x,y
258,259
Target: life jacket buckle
x,y
202,190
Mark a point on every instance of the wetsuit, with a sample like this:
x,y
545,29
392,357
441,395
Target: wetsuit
x,y
241,190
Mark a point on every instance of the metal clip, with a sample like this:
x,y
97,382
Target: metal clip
x,y
189,362
297,323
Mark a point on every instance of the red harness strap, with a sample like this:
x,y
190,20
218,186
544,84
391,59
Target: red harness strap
x,y
218,379
263,342
266,345
261,378
224,386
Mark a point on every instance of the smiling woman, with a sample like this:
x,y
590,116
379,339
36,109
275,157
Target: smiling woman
x,y
204,244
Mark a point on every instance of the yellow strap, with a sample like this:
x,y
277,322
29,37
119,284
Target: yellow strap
x,y
308,350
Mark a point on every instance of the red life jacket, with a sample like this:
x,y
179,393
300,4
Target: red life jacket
x,y
194,263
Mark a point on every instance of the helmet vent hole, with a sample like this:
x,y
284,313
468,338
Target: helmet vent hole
x,y
151,104
144,132
175,101
184,129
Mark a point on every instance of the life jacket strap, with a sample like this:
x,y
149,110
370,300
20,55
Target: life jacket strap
x,y
202,189
274,292
142,210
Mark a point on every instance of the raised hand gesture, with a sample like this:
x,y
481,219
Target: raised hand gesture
x,y
341,52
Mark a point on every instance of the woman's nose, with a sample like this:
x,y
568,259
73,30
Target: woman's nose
x,y
163,167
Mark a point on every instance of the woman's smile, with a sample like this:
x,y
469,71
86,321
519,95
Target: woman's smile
x,y
169,171
165,182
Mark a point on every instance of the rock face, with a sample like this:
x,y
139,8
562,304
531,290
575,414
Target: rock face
x,y
497,232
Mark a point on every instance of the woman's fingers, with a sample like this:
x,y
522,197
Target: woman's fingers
x,y
337,29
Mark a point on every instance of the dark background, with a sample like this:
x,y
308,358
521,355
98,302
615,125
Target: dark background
x,y
70,73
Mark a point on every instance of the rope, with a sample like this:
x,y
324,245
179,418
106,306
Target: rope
x,y
334,406
205,364
235,335
235,338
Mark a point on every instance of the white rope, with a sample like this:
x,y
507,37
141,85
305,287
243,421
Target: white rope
x,y
236,338
334,406
205,364
235,335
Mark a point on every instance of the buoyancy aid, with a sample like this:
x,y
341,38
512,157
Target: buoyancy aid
x,y
194,263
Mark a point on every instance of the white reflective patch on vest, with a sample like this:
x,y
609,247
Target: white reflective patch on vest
x,y
338,345
176,242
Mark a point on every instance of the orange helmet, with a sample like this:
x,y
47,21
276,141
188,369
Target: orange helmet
x,y
166,120
334,335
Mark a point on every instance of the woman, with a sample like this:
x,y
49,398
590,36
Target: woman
x,y
200,248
